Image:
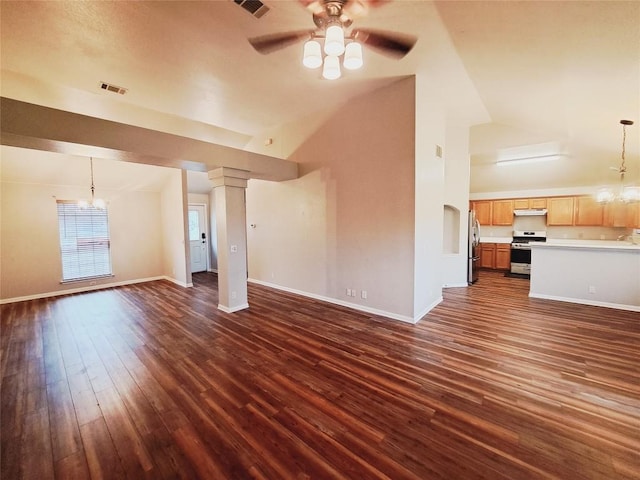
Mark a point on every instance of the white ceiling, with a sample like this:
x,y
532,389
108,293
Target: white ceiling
x,y
524,72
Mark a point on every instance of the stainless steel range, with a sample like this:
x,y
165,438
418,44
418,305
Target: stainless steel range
x,y
521,250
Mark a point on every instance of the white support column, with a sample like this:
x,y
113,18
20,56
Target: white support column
x,y
231,232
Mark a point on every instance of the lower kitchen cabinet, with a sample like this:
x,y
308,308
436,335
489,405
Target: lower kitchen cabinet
x,y
487,255
495,256
503,256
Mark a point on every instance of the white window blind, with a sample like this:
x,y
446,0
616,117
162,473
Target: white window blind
x,y
84,241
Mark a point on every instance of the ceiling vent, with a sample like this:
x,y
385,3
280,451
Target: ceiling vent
x,y
254,7
112,88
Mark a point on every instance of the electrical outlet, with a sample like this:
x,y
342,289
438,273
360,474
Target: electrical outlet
x,y
592,289
354,292
348,291
363,294
234,295
234,248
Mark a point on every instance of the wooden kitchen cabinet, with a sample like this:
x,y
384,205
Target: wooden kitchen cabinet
x,y
632,215
537,203
615,215
520,203
560,210
622,215
588,212
502,212
483,211
487,255
503,256
494,212
524,203
495,256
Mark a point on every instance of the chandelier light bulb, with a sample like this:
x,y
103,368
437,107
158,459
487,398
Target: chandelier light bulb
x,y
630,194
353,56
334,41
331,69
99,203
312,54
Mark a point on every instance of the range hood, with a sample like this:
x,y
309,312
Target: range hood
x,y
530,212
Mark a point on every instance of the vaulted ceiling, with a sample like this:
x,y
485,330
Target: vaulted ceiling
x,y
522,73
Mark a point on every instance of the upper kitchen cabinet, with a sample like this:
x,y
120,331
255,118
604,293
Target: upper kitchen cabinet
x,y
494,212
525,203
560,210
588,212
502,212
483,211
633,215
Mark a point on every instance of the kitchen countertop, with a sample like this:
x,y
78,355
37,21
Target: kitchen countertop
x,y
495,239
586,244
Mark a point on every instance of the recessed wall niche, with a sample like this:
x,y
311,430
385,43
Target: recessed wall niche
x,y
451,230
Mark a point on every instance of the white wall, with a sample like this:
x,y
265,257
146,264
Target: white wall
x,y
348,221
174,205
456,194
429,197
592,275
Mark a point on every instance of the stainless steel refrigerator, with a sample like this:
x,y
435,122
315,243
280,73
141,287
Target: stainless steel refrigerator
x,y
473,251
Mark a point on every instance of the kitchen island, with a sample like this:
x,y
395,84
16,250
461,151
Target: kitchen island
x,y
591,272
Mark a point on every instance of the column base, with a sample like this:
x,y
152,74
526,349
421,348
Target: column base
x,y
226,309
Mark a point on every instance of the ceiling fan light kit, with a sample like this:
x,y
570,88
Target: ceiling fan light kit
x,y
312,56
334,41
331,18
331,69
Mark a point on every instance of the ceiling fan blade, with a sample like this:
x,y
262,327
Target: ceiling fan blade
x,y
388,43
270,43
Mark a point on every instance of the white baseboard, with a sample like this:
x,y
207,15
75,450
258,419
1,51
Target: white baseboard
x,y
90,288
354,306
455,285
233,309
582,301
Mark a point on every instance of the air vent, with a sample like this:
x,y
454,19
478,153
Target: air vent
x,y
254,7
112,88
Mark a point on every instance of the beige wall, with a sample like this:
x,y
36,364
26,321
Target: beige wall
x,y
30,254
29,244
348,221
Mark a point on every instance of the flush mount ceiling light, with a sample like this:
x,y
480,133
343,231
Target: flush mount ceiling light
x,y
96,203
623,193
332,18
535,153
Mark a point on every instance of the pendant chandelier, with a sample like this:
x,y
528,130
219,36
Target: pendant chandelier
x,y
624,193
96,203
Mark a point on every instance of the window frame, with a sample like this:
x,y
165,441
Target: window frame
x,y
84,241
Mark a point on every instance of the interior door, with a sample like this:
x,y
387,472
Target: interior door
x,y
198,241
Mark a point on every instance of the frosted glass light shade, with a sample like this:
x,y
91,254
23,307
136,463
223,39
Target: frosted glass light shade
x,y
312,54
331,69
353,56
630,194
604,195
334,41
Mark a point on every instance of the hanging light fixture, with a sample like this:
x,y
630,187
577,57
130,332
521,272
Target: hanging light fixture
x,y
334,40
312,56
353,56
625,193
334,48
336,45
97,203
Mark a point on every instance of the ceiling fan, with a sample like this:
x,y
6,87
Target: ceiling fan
x,y
332,18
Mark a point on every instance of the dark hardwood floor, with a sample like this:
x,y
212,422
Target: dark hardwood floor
x,y
152,381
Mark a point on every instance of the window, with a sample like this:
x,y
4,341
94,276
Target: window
x,y
84,241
